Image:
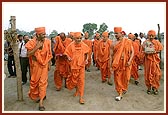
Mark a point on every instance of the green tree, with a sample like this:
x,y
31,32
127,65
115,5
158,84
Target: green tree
x,y
53,33
31,33
103,27
90,28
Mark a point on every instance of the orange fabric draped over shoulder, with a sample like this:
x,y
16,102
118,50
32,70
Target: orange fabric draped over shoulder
x,y
89,44
39,72
134,70
103,54
76,52
121,55
151,66
62,68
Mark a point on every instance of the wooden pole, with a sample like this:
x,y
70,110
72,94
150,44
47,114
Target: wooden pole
x,y
159,38
15,44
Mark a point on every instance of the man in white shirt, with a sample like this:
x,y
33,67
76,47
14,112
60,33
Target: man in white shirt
x,y
141,35
24,60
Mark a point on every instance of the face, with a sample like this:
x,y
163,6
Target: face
x,y
62,35
118,35
78,40
104,38
41,36
86,36
151,37
141,35
20,38
26,38
98,37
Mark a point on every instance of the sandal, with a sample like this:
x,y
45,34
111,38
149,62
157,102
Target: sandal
x,y
155,92
148,91
118,98
103,81
136,82
37,101
109,83
58,89
124,92
42,108
81,101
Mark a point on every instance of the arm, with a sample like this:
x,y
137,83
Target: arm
x,y
132,55
87,56
111,55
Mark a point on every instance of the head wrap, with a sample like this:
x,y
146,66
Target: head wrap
x,y
105,34
117,29
40,30
151,32
77,35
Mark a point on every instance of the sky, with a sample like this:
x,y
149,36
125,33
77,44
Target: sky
x,y
65,17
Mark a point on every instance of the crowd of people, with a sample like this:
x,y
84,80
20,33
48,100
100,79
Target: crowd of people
x,y
73,54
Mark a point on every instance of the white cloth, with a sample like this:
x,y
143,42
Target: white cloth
x,y
142,40
23,50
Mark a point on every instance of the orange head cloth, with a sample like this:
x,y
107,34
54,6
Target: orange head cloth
x,y
117,29
130,36
40,30
77,35
105,34
151,32
97,35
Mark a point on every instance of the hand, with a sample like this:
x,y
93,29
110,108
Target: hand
x,y
49,66
39,44
69,59
86,61
128,63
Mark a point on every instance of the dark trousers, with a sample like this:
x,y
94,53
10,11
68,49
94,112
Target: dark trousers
x,y
53,59
11,63
93,59
24,63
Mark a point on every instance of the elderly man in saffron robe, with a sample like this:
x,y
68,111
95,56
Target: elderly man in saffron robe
x,y
95,43
39,49
89,43
151,62
134,70
62,65
122,53
103,57
77,54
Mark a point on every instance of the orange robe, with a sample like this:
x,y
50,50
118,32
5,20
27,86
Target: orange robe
x,y
89,43
39,73
103,54
151,67
62,64
134,70
121,55
77,77
95,43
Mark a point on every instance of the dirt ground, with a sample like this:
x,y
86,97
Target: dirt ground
x,y
99,97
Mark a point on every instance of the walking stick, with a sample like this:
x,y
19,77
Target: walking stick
x,y
160,42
